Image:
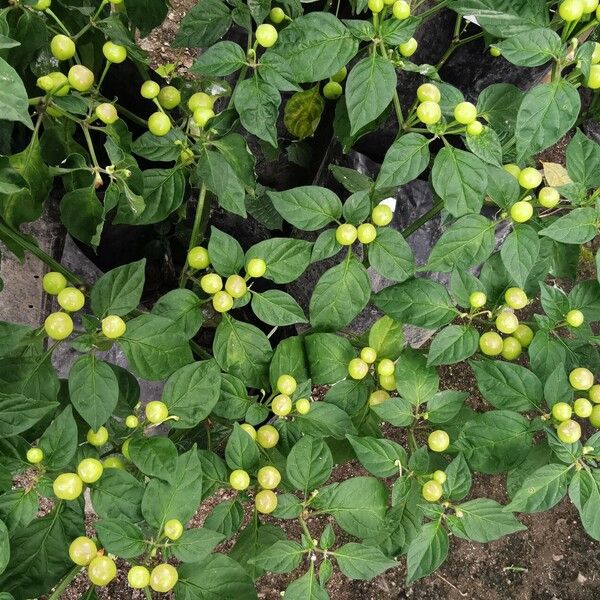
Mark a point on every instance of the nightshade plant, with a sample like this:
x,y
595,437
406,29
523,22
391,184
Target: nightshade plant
x,y
238,411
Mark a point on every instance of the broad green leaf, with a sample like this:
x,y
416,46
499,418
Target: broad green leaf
x,y
583,160
445,405
221,59
306,588
203,25
379,456
415,380
386,337
520,253
154,456
253,539
59,441
576,227
120,537
241,451
426,552
226,254
275,307
309,464
18,413
325,420
357,208
483,520
118,495
14,104
182,307
357,561
282,557
328,355
119,291
542,490
396,411
302,113
83,215
453,344
486,146
391,256
458,479
196,544
286,258
225,517
532,48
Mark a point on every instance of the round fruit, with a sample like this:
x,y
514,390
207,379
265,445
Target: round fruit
x,y
594,393
114,53
582,407
521,211
173,529
369,355
35,455
268,478
249,430
593,81
235,286
513,169
71,299
267,436
589,6
516,298
569,431
387,382
113,462
265,501
107,113
202,116
507,322
523,334
571,10
132,421
491,344
113,327
366,233
156,411
438,440
346,234
432,491
428,92
286,384
102,570
42,5
256,267
159,124
222,302
530,178
596,54
82,551
382,215
125,448
200,100
477,299
239,480
211,283
90,470
58,326
465,113
375,6
277,15
150,89
169,97
281,405
138,577
475,128
80,78
574,318
378,397
332,90
562,411
53,283
511,348
358,368
408,48
401,10
198,258
386,367
548,197
62,47
340,75
429,112
266,35
163,578
595,416
495,51
67,486
97,438
439,476
581,379
303,406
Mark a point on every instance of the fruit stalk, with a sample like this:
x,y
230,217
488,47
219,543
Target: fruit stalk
x,y
64,584
195,232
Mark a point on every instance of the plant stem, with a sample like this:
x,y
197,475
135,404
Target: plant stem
x,y
305,528
433,9
424,218
64,584
147,593
58,21
90,144
195,232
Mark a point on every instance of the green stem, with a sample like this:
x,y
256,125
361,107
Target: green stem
x,y
195,232
424,218
90,145
104,72
131,115
305,528
147,593
433,10
64,584
58,22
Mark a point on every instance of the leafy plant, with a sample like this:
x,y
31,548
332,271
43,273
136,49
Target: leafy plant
x,y
239,356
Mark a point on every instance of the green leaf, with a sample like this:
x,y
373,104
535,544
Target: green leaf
x,y
275,307
221,59
328,355
118,495
302,113
404,161
545,352
378,456
445,405
154,456
453,344
396,411
18,413
576,227
415,379
34,377
225,517
286,258
203,25
460,179
340,294
486,146
306,588
386,337
241,451
357,561
309,464
325,420
508,386
391,256
182,307
59,441
282,557
226,254
483,520
420,302
468,242
18,508
14,105
520,253
119,291
583,160
83,215
547,112
196,544
542,490
235,149
4,548
458,479
307,207
356,210
253,539
353,181
426,552
120,537
158,148
532,48
369,90
93,390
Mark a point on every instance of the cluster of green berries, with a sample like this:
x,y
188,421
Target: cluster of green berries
x,y
268,478
432,489
359,368
400,11
281,405
332,90
573,10
346,233
519,335
59,325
